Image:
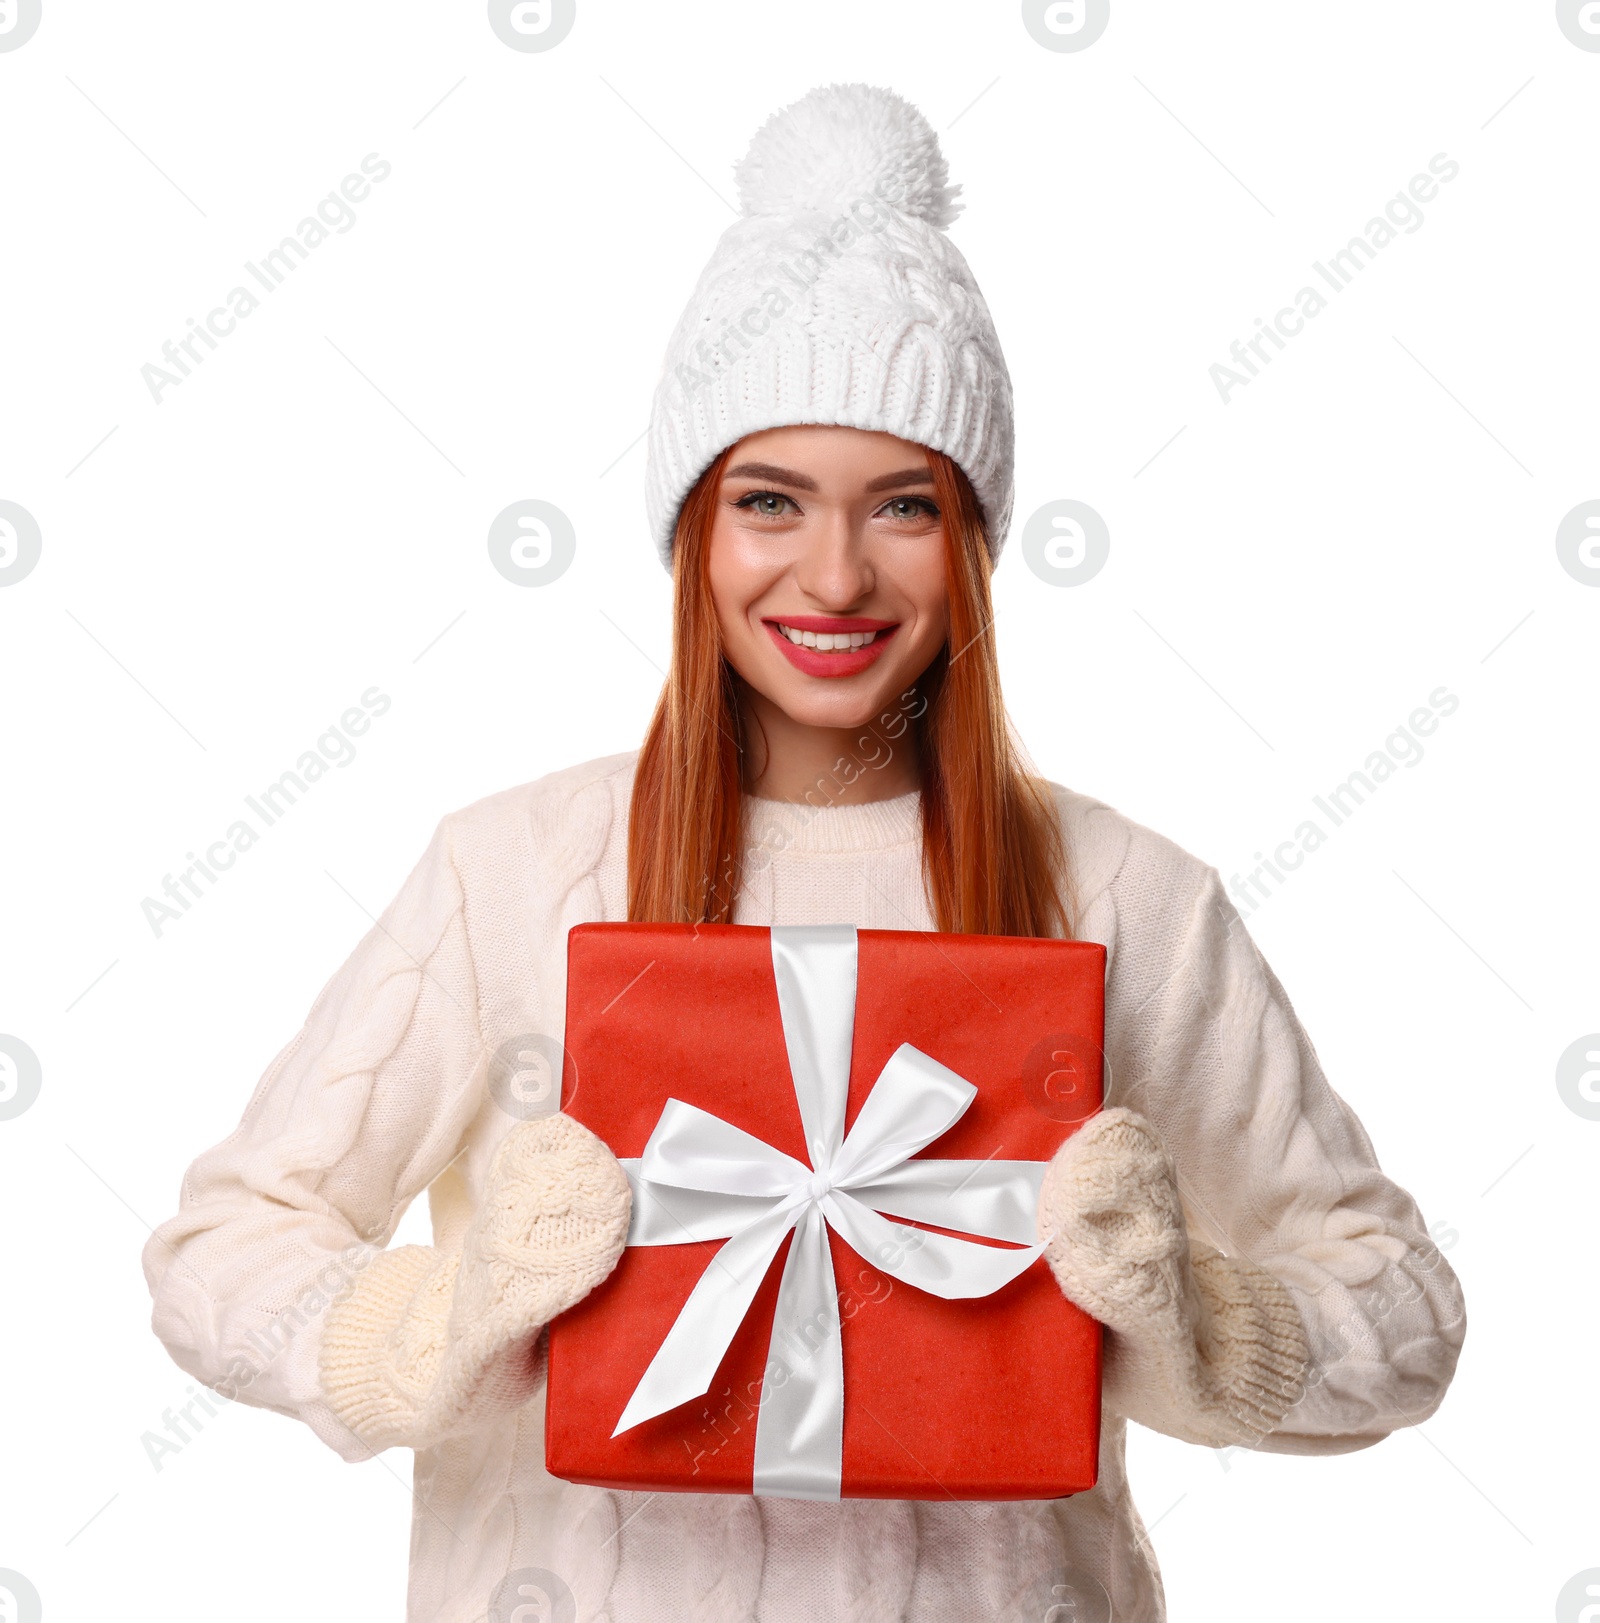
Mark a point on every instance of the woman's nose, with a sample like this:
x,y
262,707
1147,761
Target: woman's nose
x,y
834,568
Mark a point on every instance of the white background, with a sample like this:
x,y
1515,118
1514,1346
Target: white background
x,y
305,517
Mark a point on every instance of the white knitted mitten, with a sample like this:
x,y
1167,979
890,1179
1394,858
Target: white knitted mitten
x,y
434,1342
1204,1347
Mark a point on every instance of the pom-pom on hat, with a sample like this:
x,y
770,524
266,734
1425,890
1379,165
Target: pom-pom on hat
x,y
837,298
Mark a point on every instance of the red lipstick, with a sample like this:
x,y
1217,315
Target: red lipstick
x,y
818,662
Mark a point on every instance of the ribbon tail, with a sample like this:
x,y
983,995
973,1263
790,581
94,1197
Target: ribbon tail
x,y
937,1263
686,1362
799,1450
997,1199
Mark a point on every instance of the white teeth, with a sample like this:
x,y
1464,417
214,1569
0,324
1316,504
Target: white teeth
x,y
828,641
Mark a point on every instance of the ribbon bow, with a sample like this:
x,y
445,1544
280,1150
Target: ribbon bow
x,y
701,1178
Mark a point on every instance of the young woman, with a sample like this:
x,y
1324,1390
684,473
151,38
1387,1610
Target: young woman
x,y
830,485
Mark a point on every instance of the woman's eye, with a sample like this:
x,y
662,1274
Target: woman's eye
x,y
905,507
768,503
772,504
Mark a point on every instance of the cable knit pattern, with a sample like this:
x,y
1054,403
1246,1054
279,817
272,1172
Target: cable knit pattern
x,y
270,1281
1204,1347
435,1342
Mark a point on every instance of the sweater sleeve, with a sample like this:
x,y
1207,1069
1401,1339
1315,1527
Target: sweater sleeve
x,y
1274,1169
351,1121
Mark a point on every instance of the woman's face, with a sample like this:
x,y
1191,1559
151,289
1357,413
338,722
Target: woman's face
x,y
827,570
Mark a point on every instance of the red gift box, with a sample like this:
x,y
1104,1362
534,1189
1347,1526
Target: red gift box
x,y
990,1397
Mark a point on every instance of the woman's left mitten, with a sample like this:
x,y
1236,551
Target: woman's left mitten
x,y
1205,1347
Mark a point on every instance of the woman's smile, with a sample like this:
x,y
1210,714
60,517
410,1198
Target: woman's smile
x,y
830,645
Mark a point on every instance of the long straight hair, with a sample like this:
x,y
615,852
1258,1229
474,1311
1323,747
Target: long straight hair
x,y
993,857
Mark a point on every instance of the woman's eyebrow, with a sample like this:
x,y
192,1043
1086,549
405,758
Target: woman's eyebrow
x,y
800,481
767,470
911,476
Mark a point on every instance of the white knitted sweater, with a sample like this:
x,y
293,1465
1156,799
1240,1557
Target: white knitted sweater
x,y
382,1096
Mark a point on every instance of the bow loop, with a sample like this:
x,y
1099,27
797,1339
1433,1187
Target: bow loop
x,y
914,1101
692,1149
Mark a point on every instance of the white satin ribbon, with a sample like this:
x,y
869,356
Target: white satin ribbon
x,y
701,1178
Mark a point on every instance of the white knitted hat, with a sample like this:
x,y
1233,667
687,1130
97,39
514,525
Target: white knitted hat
x,y
837,298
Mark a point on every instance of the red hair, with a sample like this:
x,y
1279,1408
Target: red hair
x,y
993,856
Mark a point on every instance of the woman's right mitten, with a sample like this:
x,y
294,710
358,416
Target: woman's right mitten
x,y
433,1342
